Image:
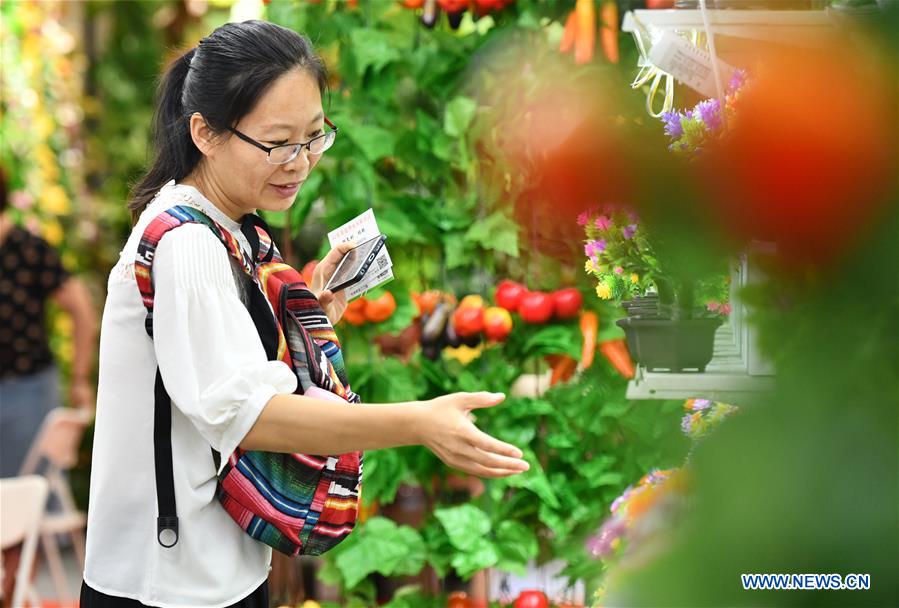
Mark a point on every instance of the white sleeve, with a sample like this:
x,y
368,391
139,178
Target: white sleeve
x,y
212,361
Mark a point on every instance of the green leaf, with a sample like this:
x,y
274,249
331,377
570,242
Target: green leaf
x,y
375,142
381,547
455,252
372,47
465,525
517,545
495,233
481,555
384,473
535,480
459,113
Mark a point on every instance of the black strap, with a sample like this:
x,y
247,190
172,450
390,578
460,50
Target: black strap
x,y
266,326
167,520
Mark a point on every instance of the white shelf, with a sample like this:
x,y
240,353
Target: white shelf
x,y
789,27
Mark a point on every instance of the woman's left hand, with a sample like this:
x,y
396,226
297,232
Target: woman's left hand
x,y
333,304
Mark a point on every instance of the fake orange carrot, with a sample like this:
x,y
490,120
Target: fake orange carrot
x,y
608,31
615,351
589,329
585,41
568,35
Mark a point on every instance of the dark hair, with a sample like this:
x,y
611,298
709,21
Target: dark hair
x,y
222,79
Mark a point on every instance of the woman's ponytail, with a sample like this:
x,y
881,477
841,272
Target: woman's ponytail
x,y
175,152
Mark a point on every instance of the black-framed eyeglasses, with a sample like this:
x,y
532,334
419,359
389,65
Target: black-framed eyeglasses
x,y
279,155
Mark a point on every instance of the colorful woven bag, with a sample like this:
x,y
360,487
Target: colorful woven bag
x,y
296,503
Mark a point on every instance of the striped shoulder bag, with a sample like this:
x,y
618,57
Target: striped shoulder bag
x,y
299,504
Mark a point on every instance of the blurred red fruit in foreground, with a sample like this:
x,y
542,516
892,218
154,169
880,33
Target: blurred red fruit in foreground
x,y
808,161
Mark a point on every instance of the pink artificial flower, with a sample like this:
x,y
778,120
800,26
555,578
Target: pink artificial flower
x,y
583,218
603,222
618,269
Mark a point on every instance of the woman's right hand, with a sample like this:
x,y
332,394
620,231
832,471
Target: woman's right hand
x,y
450,433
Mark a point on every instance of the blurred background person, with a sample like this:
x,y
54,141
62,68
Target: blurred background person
x,y
31,273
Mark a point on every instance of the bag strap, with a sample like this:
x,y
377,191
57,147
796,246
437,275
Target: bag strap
x,y
167,519
167,516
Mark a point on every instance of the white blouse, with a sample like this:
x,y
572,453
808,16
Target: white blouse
x,y
217,374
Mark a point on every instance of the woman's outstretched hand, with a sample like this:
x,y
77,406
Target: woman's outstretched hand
x,y
333,304
453,437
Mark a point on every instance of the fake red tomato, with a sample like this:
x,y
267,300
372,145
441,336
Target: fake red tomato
x,y
380,309
453,6
508,295
536,307
426,301
784,167
355,311
458,599
468,321
497,323
567,303
531,598
656,4
412,3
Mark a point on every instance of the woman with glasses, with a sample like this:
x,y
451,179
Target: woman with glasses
x,y
239,125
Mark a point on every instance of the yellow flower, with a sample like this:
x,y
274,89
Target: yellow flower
x,y
635,278
53,233
603,291
55,200
590,266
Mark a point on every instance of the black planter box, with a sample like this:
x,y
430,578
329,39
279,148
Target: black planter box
x,y
673,345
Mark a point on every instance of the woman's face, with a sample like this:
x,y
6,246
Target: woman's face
x,y
238,174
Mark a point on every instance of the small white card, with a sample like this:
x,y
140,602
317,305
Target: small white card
x,y
359,230
688,64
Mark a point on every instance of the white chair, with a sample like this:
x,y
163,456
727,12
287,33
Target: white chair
x,y
57,443
22,503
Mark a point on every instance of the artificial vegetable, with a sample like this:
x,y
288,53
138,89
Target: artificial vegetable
x,y
567,303
563,369
355,311
585,40
616,353
589,329
381,308
536,307
568,34
608,31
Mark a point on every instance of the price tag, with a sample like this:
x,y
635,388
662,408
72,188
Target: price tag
x,y
690,65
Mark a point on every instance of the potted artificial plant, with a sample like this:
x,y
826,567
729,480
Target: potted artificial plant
x,y
672,313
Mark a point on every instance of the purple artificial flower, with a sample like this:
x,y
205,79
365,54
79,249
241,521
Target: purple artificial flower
x,y
737,79
593,248
673,127
686,424
583,218
710,113
603,222
699,405
600,545
629,231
